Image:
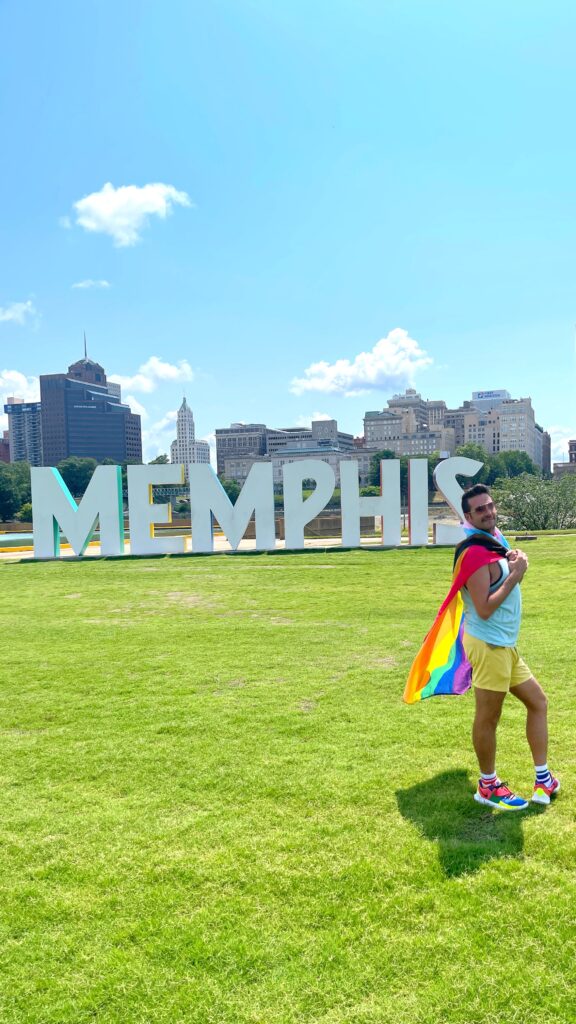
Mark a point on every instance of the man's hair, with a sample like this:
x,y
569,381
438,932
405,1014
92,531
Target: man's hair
x,y
471,493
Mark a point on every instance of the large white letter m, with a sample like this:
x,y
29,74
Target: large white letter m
x,y
54,510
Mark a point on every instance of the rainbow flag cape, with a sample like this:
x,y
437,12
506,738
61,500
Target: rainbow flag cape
x,y
441,665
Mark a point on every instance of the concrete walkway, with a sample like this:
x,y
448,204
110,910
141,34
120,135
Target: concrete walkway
x,y
221,546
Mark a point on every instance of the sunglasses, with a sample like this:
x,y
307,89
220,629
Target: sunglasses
x,y
484,508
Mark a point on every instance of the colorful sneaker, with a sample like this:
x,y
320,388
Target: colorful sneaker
x,y
542,794
497,794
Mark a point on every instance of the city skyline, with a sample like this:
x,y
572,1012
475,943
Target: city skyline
x,y
411,425
291,213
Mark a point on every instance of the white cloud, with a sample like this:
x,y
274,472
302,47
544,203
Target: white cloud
x,y
153,371
158,437
168,420
135,406
391,364
14,384
89,283
123,212
17,313
560,436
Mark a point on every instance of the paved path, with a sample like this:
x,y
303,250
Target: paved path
x,y
221,545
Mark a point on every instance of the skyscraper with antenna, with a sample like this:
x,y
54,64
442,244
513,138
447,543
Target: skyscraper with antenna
x,y
83,414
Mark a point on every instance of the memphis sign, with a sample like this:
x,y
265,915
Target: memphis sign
x,y
55,510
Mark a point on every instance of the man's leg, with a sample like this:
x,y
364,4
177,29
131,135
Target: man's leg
x,y
488,710
534,699
491,790
491,671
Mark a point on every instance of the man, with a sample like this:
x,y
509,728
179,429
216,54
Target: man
x,y
493,611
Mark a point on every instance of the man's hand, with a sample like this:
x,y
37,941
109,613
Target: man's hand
x,y
518,563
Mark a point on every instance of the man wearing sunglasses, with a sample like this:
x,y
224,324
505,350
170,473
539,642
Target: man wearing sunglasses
x,y
493,612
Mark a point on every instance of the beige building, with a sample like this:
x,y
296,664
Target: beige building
x,y
492,419
482,428
241,445
237,468
399,432
322,433
240,440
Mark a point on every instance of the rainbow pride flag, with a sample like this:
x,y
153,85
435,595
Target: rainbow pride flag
x,y
441,665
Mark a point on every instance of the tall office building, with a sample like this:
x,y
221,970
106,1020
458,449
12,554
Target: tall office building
x,y
81,416
412,407
186,449
24,431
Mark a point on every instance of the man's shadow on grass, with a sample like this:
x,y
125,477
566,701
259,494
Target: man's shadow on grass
x,y
468,834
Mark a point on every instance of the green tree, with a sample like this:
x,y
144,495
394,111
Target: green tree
x,y
231,487
160,460
433,461
76,473
374,471
474,451
528,502
25,513
9,496
496,469
517,463
20,472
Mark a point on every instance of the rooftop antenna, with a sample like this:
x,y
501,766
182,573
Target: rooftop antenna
x,y
85,352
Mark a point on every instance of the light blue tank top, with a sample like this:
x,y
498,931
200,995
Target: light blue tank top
x,y
503,626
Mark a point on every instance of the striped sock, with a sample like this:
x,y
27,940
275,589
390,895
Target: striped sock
x,y
488,779
543,774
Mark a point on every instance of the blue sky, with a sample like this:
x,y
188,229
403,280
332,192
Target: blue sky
x,y
320,176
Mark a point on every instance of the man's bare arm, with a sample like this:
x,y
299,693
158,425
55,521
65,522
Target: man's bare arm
x,y
478,586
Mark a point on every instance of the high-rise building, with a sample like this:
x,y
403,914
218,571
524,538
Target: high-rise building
x,y
186,449
80,416
24,431
411,402
518,428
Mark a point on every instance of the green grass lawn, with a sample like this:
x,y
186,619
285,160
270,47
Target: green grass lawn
x,y
216,808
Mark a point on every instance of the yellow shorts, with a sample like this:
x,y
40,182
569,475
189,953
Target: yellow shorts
x,y
495,668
